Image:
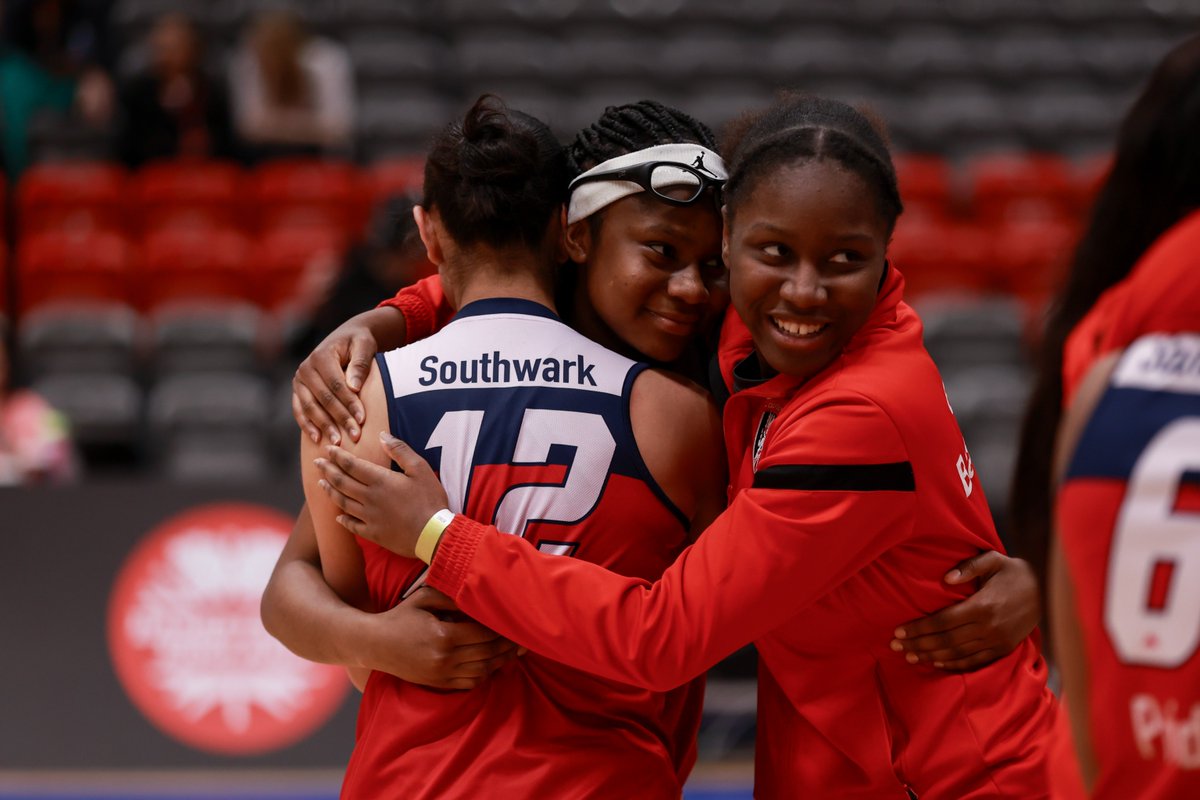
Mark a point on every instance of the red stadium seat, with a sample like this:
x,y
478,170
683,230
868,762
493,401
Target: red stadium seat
x,y
71,197
78,264
294,266
305,193
938,257
196,263
394,176
1014,187
1032,257
189,194
925,186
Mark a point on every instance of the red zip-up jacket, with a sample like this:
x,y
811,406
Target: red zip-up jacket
x,y
850,493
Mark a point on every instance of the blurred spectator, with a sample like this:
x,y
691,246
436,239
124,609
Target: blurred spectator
x,y
174,108
390,257
293,94
34,444
53,58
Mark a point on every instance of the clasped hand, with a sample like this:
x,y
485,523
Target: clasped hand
x,y
383,506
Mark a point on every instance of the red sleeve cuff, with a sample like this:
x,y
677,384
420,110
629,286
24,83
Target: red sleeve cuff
x,y
454,554
418,315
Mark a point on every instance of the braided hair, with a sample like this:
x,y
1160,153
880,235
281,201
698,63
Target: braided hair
x,y
632,127
800,127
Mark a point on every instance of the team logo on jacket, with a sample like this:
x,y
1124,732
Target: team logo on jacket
x,y
189,647
760,437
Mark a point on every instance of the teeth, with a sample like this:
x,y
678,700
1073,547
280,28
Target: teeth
x,y
796,328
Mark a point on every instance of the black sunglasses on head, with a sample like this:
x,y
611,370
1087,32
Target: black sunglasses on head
x,y
658,177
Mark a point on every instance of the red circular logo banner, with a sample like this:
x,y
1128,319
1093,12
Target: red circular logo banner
x,y
189,647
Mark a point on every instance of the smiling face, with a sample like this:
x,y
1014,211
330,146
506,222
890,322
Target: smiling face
x,y
651,275
806,249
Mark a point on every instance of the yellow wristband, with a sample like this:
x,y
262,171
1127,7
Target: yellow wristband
x,y
431,534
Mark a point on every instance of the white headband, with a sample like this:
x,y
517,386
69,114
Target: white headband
x,y
590,197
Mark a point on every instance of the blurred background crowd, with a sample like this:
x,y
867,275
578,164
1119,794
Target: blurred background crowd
x,y
195,191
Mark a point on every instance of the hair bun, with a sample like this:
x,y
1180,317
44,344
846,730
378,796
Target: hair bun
x,y
494,151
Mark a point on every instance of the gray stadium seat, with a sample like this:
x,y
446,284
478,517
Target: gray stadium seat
x,y
402,121
607,52
80,338
385,59
691,52
922,52
104,409
221,457
372,15
963,333
210,425
203,336
1019,54
505,53
792,56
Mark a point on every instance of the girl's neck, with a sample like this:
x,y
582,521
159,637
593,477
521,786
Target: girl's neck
x,y
522,276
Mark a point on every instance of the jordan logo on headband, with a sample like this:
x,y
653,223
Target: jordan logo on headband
x,y
699,164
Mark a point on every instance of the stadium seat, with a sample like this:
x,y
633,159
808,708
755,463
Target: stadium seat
x,y
78,264
302,193
491,53
188,194
196,263
80,338
937,257
928,51
209,336
401,123
104,409
1017,55
606,51
1021,186
709,51
393,176
1032,256
965,332
294,266
926,187
387,58
210,425
71,197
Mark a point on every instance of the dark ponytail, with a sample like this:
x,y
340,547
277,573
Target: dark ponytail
x,y
497,177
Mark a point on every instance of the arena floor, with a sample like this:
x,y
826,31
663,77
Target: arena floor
x,y
714,781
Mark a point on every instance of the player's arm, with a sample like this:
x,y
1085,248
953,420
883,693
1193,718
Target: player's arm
x,y
326,385
1064,618
779,547
411,641
678,432
300,609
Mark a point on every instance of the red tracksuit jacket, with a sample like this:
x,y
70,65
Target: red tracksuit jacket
x,y
850,494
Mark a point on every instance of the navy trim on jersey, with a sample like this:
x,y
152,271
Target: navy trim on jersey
x,y
1124,422
393,411
895,477
650,481
505,305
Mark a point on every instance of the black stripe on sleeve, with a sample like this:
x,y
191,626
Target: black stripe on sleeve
x,y
896,477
